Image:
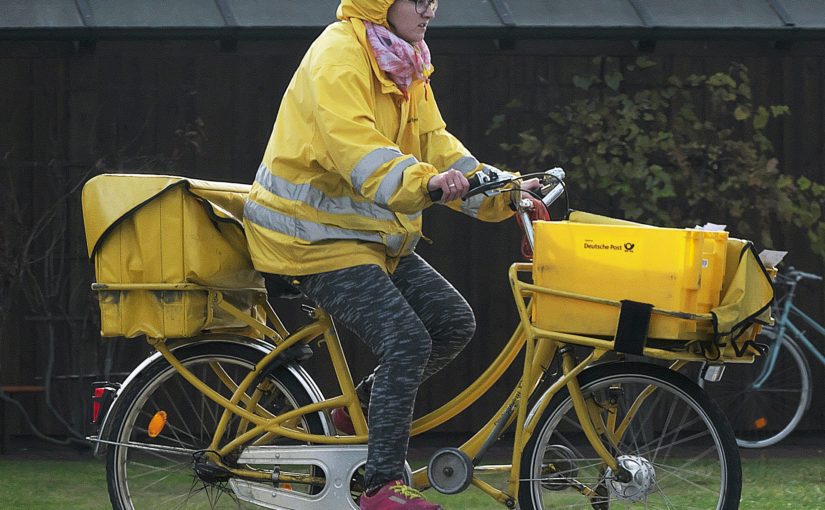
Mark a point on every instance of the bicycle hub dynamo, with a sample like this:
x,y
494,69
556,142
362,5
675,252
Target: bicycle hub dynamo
x,y
641,482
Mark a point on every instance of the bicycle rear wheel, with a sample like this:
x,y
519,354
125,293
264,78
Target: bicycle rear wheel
x,y
172,470
677,444
764,416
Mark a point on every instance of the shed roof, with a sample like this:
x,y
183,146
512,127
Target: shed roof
x,y
276,19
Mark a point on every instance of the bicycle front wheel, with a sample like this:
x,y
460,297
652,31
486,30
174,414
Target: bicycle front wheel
x,y
163,462
660,426
765,415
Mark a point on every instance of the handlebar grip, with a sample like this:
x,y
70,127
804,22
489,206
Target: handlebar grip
x,y
436,194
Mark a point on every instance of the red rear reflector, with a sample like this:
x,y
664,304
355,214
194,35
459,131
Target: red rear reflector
x,y
97,394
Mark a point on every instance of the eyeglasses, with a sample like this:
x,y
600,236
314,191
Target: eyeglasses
x,y
421,6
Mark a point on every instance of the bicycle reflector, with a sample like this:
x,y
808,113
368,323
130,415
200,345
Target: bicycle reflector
x,y
156,424
97,395
760,423
103,393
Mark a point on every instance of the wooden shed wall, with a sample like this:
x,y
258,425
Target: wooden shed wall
x,y
192,108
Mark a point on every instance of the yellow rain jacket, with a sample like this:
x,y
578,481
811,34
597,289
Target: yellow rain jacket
x,y
344,177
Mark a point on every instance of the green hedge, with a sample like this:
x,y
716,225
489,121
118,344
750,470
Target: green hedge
x,y
681,152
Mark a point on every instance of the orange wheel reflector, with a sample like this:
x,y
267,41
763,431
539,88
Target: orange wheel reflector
x,y
760,423
156,424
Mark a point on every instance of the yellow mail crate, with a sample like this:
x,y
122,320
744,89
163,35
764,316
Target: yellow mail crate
x,y
160,230
673,269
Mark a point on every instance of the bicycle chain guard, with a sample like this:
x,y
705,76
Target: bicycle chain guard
x,y
340,465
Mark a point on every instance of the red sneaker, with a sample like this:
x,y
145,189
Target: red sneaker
x,y
396,496
342,421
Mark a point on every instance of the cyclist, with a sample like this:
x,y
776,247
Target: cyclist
x,y
335,209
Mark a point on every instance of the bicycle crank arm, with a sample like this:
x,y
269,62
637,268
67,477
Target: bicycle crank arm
x,y
338,463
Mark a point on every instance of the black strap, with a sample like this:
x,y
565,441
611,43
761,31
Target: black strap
x,y
634,322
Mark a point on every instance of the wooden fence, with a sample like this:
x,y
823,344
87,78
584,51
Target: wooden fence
x,y
68,111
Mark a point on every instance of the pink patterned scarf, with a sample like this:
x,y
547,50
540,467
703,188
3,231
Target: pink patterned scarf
x,y
403,62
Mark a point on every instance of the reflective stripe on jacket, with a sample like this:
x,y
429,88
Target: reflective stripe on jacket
x,y
344,177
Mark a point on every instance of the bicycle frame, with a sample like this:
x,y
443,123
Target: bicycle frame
x,y
540,347
263,426
785,323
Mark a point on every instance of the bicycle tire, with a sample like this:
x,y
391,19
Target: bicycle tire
x,y
678,433
141,480
763,417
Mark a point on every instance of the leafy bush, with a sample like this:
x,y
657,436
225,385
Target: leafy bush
x,y
684,152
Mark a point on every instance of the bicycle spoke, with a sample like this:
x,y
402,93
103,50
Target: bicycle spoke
x,y
665,426
664,495
177,412
687,480
675,471
183,466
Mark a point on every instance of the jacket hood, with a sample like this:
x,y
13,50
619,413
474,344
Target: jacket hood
x,y
374,11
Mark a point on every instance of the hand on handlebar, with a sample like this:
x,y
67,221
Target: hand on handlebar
x,y
452,184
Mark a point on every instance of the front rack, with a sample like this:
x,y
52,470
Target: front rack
x,y
707,348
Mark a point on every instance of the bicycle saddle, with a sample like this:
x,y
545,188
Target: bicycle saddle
x,y
278,286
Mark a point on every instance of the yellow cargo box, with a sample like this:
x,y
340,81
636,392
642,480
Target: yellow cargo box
x,y
673,269
153,231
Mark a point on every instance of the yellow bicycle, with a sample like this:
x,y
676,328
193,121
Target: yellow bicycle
x,y
223,415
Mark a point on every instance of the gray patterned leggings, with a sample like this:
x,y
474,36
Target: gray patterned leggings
x,y
415,322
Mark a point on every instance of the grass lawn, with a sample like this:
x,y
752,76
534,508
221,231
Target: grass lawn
x,y
769,484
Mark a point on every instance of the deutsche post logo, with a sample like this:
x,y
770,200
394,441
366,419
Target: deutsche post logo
x,y
590,244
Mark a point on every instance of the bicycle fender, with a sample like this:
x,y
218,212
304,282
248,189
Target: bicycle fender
x,y
298,371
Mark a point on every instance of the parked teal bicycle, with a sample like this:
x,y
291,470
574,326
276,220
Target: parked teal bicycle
x,y
765,401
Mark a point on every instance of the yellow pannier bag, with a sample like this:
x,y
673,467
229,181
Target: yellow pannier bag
x,y
145,232
747,296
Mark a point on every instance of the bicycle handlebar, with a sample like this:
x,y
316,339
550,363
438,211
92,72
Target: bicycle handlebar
x,y
485,181
802,275
793,276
